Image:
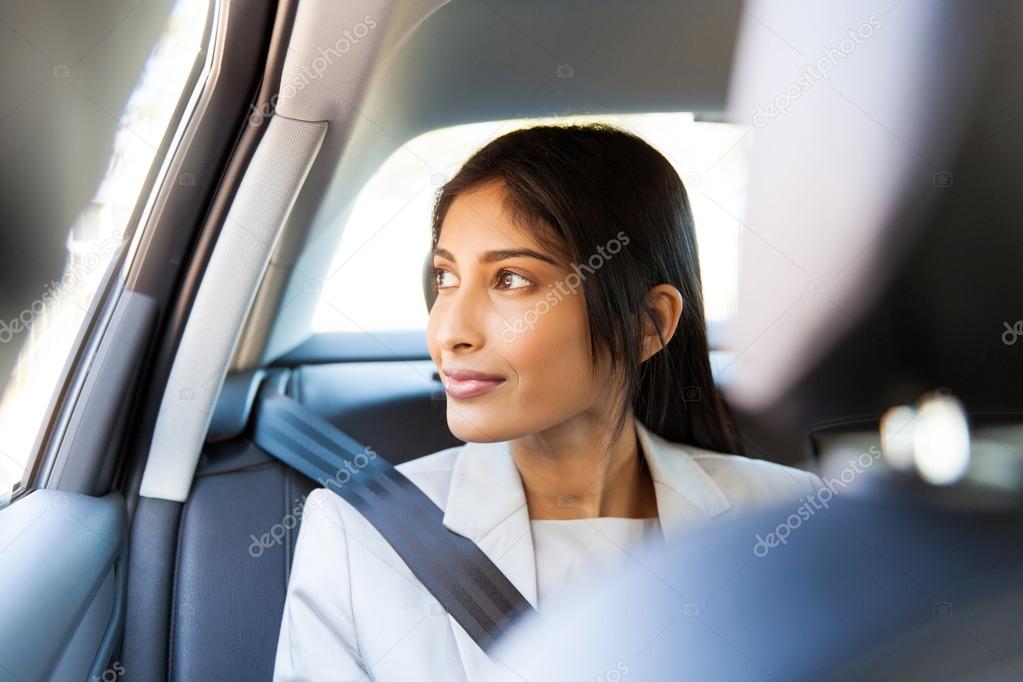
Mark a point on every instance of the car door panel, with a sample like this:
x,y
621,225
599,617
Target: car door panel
x,y
61,577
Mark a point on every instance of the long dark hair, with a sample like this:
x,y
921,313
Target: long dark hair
x,y
581,187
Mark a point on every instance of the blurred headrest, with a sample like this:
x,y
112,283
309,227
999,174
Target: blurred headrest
x,y
884,202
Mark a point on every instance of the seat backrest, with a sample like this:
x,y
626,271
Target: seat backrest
x,y
242,518
236,539
367,399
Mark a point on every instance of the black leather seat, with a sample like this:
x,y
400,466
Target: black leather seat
x,y
236,539
241,521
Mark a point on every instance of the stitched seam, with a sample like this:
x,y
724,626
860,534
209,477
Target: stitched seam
x,y
501,523
174,588
248,467
351,602
722,456
288,532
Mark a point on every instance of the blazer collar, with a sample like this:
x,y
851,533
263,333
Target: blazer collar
x,y
686,494
487,503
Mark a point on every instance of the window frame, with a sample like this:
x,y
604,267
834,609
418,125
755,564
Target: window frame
x,y
43,461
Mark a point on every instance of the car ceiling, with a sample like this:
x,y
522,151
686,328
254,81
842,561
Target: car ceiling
x,y
428,65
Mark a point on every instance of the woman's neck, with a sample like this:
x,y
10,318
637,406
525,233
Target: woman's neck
x,y
570,472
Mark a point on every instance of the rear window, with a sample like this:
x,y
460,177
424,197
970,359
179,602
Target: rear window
x,y
387,234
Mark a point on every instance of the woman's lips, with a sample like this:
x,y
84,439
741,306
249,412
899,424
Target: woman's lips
x,y
469,384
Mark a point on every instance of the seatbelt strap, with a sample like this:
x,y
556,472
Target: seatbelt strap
x,y
457,572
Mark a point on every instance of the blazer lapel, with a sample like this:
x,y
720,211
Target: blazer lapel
x,y
686,494
487,504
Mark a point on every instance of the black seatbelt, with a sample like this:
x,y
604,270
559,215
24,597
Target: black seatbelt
x,y
457,572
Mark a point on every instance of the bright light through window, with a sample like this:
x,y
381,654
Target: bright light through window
x,y
53,321
375,280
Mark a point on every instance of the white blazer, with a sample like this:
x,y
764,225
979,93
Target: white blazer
x,y
354,611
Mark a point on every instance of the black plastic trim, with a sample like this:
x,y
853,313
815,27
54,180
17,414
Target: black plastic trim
x,y
234,405
84,458
357,347
151,557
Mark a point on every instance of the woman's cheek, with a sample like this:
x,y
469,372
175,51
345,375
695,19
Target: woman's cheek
x,y
546,340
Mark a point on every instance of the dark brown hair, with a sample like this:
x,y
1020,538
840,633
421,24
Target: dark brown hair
x,y
578,188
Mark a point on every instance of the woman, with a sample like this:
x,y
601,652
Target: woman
x,y
568,328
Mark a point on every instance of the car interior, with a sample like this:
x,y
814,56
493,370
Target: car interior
x,y
366,385
143,475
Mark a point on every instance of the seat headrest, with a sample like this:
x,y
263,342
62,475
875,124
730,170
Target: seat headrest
x,y
879,236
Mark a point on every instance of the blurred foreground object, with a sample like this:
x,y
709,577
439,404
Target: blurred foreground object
x,y
880,299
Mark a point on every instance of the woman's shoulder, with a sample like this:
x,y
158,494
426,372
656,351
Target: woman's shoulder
x,y
432,473
754,480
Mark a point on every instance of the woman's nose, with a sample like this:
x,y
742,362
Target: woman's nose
x,y
457,326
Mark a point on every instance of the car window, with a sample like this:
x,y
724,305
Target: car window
x,y
375,280
95,112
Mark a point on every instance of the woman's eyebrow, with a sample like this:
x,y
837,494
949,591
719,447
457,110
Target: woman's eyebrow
x,y
499,255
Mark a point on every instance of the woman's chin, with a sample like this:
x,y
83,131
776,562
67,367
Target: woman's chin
x,y
477,426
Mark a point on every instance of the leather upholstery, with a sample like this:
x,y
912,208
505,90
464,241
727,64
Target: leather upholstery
x,y
241,520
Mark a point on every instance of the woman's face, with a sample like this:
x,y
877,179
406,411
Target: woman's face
x,y
509,310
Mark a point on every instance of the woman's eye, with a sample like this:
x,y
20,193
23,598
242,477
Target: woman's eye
x,y
507,279
443,278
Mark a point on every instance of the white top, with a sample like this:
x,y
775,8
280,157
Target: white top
x,y
354,610
567,549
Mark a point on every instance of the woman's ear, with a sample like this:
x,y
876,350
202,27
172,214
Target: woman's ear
x,y
662,303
